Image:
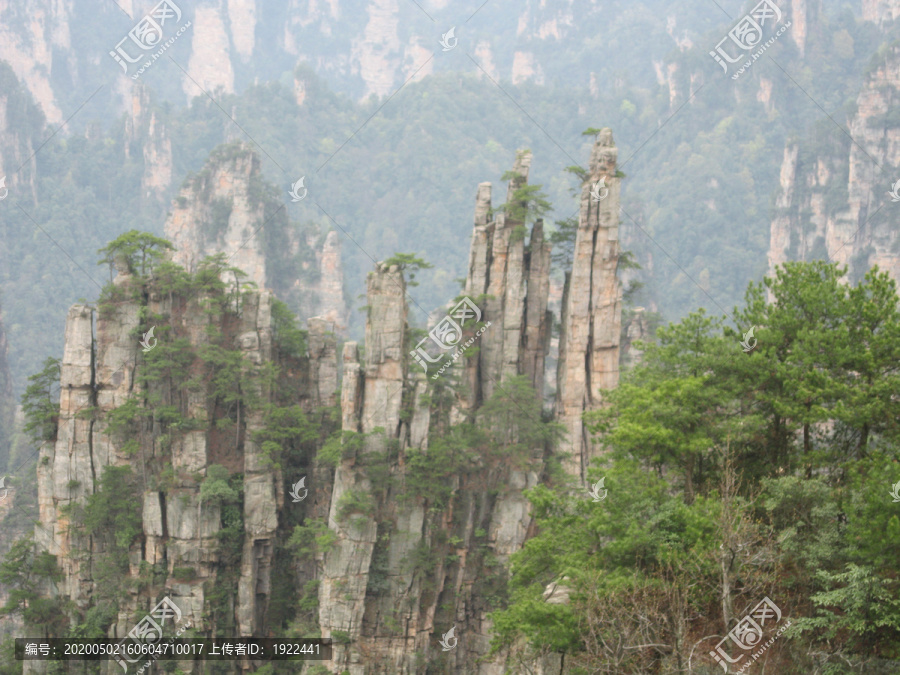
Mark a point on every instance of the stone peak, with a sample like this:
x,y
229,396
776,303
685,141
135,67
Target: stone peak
x,y
604,153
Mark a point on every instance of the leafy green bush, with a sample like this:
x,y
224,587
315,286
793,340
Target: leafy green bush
x,y
339,446
314,537
355,501
340,637
215,488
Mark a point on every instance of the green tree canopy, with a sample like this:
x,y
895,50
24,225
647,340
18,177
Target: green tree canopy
x,y
140,250
409,263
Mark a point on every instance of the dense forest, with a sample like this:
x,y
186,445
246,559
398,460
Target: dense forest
x,y
732,477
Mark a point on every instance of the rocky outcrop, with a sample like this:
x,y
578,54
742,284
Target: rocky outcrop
x,y
143,125
210,65
18,166
179,531
218,49
322,291
371,399
880,11
804,16
29,45
592,306
368,595
637,328
9,625
514,279
227,207
833,201
218,210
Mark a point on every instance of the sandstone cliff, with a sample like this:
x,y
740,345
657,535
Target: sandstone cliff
x,y
880,11
226,46
834,200
8,625
228,207
144,126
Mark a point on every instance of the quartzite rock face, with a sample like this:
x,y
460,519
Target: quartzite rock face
x,y
331,283
143,126
834,203
217,212
592,306
224,208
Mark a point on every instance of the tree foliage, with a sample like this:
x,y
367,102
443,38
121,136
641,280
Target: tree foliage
x,y
409,264
731,477
140,250
40,402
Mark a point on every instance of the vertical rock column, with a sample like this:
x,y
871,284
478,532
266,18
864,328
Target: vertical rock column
x,y
476,285
323,360
536,335
399,620
199,225
7,400
331,283
592,311
262,496
179,530
516,280
371,399
70,458
504,306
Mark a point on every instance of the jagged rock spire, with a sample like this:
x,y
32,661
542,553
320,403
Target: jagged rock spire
x,y
592,306
515,277
371,397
